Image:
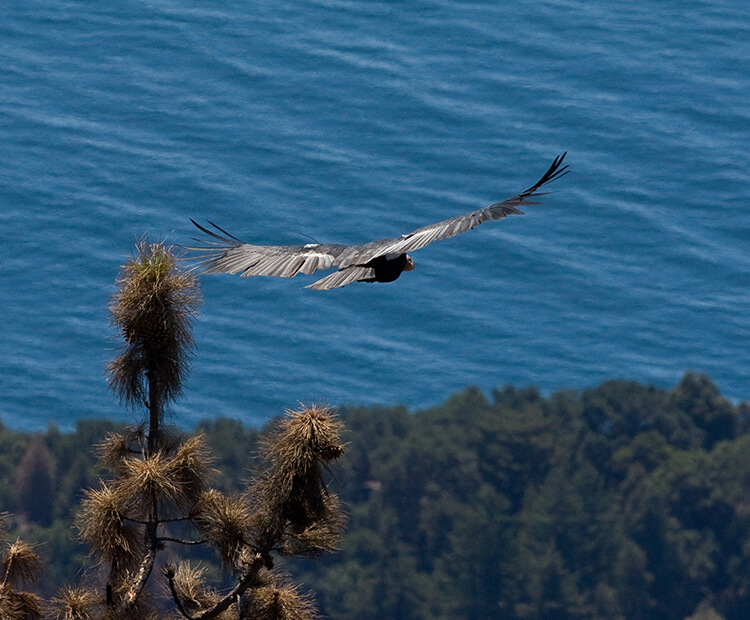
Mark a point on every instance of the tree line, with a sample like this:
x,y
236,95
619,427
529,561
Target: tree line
x,y
620,501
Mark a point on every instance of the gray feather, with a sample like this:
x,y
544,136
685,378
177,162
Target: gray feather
x,y
342,277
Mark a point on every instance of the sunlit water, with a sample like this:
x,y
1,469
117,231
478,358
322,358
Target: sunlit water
x,y
351,121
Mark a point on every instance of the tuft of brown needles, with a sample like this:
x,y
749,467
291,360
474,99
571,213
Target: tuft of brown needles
x,y
225,521
290,495
279,601
101,523
153,309
75,603
188,583
20,565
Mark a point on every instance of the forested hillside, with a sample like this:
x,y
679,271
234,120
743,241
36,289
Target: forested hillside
x,y
623,501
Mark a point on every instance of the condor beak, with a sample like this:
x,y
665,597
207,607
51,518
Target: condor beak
x,y
409,263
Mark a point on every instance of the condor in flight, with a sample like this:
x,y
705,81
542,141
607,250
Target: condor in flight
x,y
377,261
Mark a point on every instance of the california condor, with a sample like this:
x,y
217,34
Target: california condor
x,y
377,261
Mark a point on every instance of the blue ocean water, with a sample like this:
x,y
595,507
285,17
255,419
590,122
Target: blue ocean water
x,y
351,121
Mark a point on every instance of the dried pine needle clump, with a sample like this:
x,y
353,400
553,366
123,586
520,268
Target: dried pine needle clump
x,y
19,605
319,537
20,565
187,583
75,603
102,525
175,478
116,447
278,600
290,495
153,308
225,521
191,467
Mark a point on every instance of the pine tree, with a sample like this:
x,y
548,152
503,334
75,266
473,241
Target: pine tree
x,y
159,497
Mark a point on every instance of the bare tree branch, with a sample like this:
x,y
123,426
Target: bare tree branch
x,y
242,585
181,541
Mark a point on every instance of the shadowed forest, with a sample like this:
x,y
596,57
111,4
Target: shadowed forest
x,y
621,501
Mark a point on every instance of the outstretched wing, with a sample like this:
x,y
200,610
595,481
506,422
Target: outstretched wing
x,y
227,254
224,253
361,254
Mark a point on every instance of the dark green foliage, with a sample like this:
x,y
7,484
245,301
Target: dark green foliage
x,y
35,483
622,501
13,447
697,397
234,450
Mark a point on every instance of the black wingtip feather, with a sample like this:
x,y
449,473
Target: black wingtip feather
x,y
220,229
554,172
228,239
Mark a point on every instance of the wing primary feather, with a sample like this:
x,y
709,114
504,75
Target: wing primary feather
x,y
228,239
220,229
